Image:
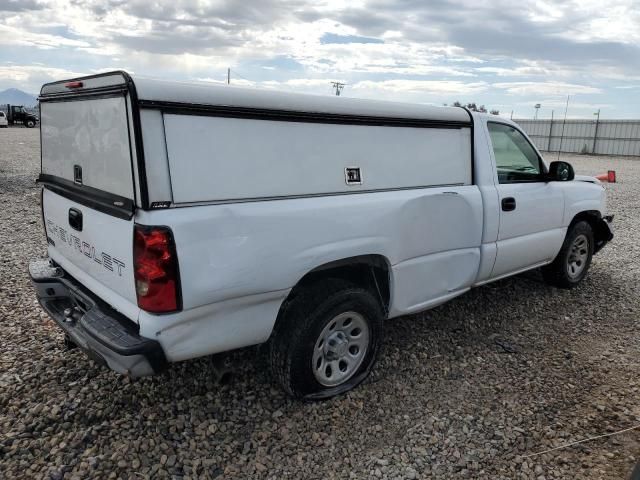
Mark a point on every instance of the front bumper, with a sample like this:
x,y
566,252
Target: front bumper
x,y
101,332
603,233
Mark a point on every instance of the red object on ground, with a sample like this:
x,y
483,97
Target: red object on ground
x,y
610,176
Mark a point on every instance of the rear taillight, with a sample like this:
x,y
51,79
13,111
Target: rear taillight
x,y
156,269
73,84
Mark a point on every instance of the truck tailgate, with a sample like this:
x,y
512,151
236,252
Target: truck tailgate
x,y
102,251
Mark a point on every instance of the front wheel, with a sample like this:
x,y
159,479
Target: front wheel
x,y
30,123
326,340
572,263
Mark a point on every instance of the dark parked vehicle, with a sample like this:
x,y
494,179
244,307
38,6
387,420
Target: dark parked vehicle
x,y
18,114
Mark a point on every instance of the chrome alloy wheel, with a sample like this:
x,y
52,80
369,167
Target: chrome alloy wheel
x,y
578,255
340,349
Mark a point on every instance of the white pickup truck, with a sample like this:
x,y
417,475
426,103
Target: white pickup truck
x,y
184,220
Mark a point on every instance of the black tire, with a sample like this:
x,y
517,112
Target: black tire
x,y
558,273
302,320
30,123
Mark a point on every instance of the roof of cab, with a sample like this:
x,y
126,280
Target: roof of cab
x,y
150,90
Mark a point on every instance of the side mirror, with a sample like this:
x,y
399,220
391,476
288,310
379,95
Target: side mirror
x,y
560,172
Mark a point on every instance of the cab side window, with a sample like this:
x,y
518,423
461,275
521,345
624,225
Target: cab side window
x,y
516,160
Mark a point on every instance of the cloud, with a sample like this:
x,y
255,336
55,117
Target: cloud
x,y
30,78
408,37
11,36
516,71
429,87
20,5
561,32
545,88
329,38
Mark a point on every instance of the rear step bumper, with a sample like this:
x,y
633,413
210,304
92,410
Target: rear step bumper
x,y
104,334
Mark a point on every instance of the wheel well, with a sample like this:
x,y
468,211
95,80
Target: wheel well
x,y
371,272
593,218
590,216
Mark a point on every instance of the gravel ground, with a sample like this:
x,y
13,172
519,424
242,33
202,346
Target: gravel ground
x,y
466,390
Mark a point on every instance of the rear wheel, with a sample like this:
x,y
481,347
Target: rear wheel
x,y
326,340
573,261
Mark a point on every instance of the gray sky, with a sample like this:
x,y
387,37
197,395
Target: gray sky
x,y
507,55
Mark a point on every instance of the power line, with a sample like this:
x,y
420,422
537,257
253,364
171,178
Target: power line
x,y
242,77
235,72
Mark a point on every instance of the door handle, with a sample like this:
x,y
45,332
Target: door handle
x,y
508,204
75,219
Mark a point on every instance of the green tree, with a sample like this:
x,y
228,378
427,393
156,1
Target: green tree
x,y
475,108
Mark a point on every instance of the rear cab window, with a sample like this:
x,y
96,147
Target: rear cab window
x,y
516,159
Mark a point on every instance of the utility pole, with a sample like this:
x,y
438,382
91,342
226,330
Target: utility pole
x,y
564,121
595,133
338,86
228,76
550,132
511,117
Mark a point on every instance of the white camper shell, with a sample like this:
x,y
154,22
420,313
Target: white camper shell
x,y
190,219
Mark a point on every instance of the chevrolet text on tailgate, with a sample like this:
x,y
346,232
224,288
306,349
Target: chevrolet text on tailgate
x,y
185,220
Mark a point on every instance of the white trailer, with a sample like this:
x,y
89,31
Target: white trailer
x,y
188,219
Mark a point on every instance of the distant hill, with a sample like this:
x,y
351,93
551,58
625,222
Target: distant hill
x,y
17,97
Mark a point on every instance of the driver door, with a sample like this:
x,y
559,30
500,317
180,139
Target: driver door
x,y
531,209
